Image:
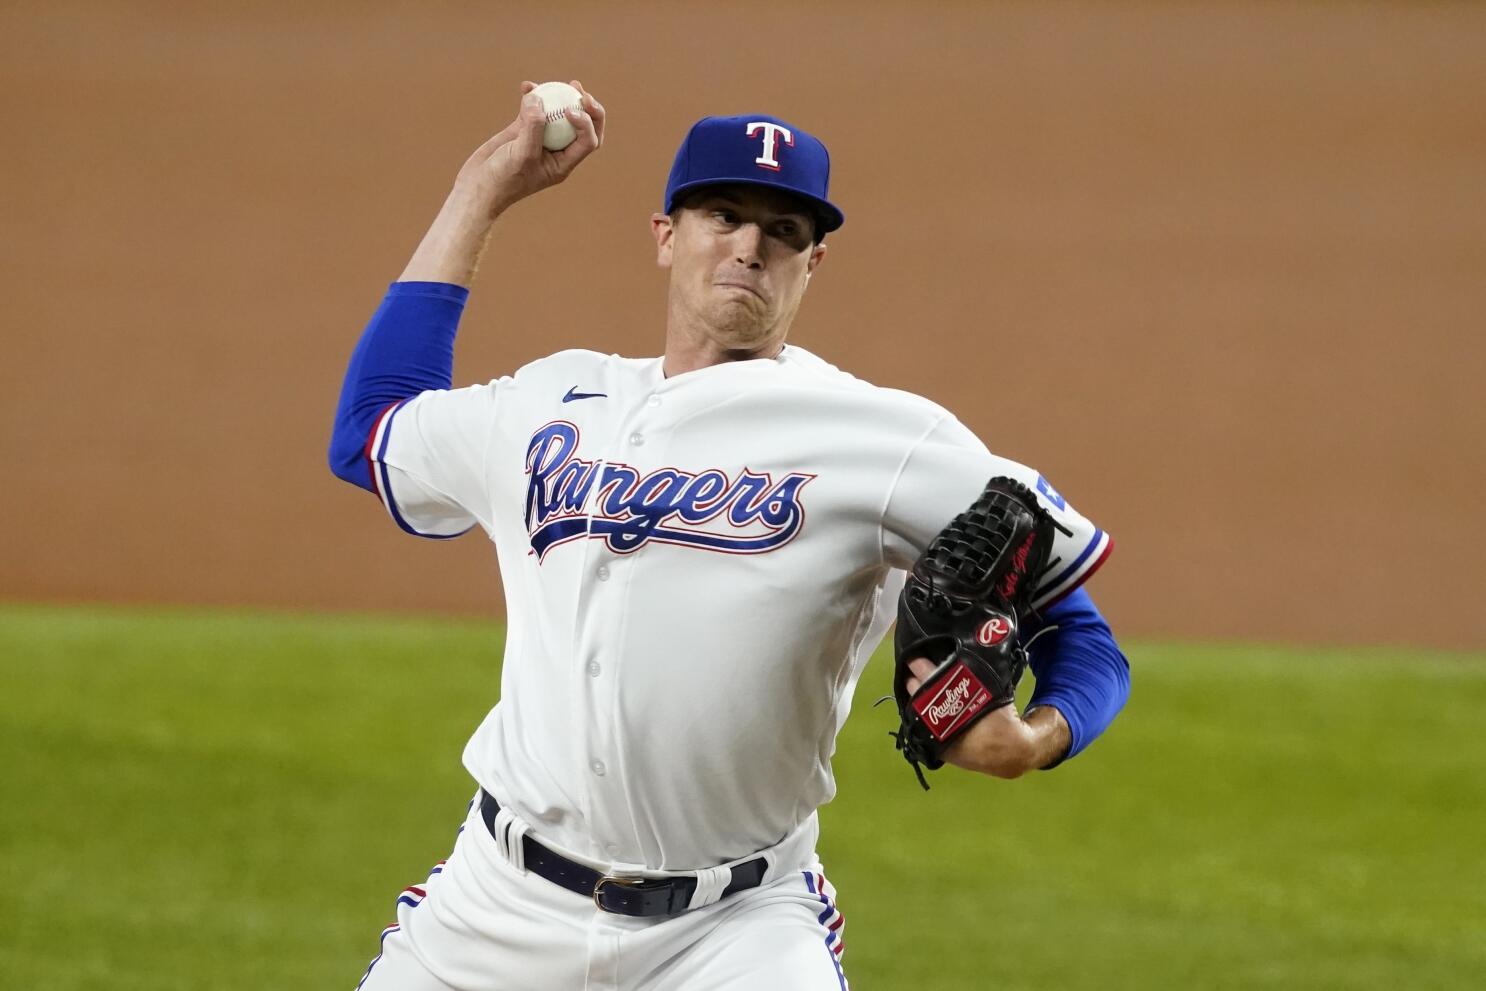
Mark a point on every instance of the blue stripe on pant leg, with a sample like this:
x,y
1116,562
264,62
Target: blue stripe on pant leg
x,y
830,934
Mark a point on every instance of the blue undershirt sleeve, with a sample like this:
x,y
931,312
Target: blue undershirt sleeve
x,y
1079,669
406,349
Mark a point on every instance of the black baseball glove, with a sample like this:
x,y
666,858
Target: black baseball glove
x,y
962,609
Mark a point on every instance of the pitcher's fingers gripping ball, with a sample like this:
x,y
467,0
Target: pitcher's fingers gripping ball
x,y
961,609
559,102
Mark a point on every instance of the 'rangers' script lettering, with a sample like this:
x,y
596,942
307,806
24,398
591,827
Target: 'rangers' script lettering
x,y
567,498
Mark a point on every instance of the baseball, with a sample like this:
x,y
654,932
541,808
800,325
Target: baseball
x,y
556,99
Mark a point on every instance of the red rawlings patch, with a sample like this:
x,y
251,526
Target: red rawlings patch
x,y
950,703
993,631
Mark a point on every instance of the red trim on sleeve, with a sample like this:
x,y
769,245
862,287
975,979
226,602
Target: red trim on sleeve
x,y
1098,563
366,450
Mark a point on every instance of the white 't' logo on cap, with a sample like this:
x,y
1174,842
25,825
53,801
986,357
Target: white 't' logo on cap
x,y
772,133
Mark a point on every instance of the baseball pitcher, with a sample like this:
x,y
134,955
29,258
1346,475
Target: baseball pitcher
x,y
700,551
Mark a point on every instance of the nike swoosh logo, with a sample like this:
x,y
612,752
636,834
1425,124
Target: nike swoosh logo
x,y
573,394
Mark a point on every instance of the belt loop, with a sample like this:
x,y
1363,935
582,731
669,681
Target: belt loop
x,y
771,861
710,885
509,831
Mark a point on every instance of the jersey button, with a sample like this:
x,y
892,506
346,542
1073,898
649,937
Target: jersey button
x,y
602,573
593,669
636,439
653,401
597,767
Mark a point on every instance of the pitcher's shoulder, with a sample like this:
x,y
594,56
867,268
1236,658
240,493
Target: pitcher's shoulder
x,y
815,371
582,363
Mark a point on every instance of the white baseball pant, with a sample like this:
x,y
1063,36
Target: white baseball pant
x,y
480,924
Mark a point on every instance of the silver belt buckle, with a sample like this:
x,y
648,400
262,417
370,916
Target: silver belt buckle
x,y
623,882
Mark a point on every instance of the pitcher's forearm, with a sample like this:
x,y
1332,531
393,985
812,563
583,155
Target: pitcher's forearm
x,y
450,251
510,166
1050,736
1004,745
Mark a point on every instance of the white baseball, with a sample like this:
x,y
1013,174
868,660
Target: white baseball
x,y
556,99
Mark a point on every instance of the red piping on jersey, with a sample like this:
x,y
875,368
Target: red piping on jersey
x,y
1098,563
366,451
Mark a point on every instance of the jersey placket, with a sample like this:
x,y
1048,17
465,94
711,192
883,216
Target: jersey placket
x,y
606,578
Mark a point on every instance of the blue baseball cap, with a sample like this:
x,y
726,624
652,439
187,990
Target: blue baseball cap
x,y
757,150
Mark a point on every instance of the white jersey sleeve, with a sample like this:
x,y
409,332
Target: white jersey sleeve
x,y
428,459
945,472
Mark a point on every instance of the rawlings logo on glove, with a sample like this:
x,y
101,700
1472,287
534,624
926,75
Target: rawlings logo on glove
x,y
960,610
959,697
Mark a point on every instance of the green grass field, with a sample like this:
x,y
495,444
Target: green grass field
x,y
205,801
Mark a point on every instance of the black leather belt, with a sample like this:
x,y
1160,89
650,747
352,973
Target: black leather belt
x,y
620,895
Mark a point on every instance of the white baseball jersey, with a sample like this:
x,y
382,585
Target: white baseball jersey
x,y
696,569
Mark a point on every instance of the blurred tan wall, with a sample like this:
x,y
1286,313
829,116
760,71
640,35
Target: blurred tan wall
x,y
1217,269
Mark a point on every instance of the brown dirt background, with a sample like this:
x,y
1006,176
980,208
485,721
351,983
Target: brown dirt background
x,y
1218,269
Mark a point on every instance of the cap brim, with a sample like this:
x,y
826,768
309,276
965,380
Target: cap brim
x,y
830,216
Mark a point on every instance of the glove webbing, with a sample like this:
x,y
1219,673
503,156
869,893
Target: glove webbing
x,y
967,549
